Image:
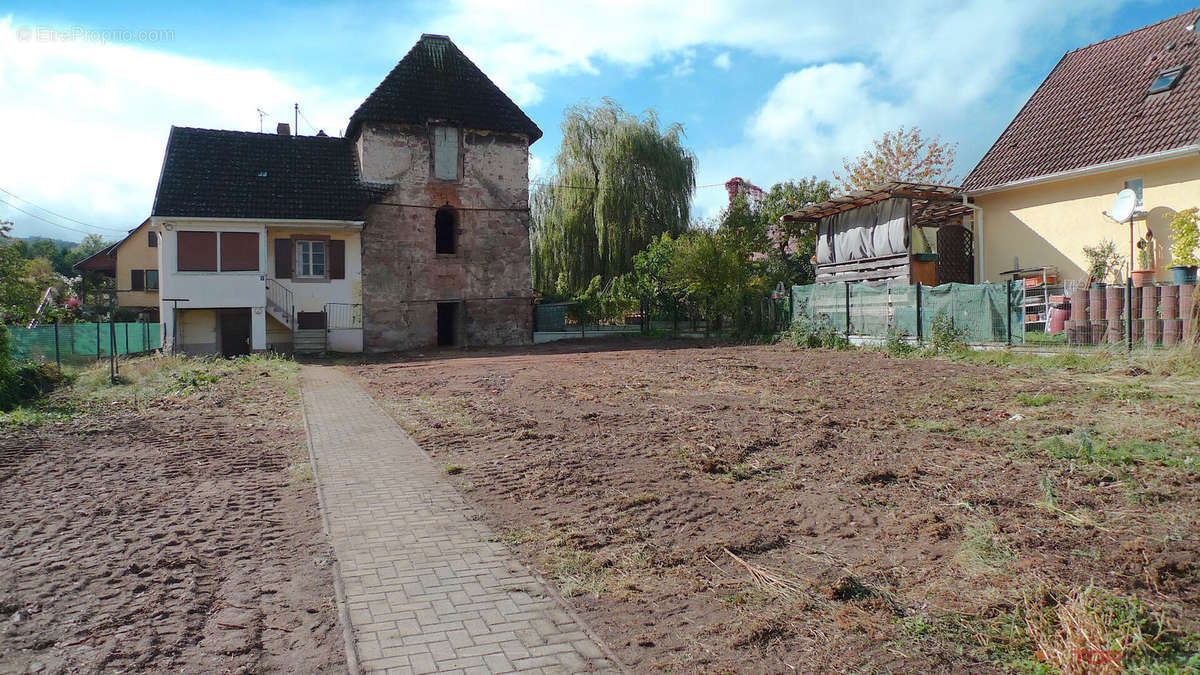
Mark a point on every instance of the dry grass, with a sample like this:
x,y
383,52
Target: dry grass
x,y
1090,631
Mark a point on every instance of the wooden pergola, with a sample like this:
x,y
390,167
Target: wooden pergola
x,y
930,206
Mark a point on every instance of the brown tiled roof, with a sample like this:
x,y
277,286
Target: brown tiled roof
x,y
1093,107
436,81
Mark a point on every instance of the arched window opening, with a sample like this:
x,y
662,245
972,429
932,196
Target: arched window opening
x,y
445,222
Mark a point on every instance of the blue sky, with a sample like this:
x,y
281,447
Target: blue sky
x,y
765,90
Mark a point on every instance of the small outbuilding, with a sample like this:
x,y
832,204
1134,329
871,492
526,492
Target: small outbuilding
x,y
897,232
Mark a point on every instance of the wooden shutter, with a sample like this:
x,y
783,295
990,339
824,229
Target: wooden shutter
x,y
152,239
137,280
283,258
337,258
196,251
239,251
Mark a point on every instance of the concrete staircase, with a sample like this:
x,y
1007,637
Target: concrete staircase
x,y
308,340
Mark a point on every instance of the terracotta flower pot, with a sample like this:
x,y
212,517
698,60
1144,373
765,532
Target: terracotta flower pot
x,y
1142,278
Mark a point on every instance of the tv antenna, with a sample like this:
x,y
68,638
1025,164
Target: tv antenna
x,y
261,114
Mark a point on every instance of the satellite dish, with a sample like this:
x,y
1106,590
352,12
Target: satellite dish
x,y
1124,205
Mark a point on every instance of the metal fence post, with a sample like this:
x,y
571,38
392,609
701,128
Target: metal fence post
x,y
1129,314
847,308
920,328
1008,291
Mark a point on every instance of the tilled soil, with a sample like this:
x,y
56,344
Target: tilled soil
x,y
767,509
170,537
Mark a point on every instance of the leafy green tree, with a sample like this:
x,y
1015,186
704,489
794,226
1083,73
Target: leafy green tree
x,y
904,155
619,182
754,220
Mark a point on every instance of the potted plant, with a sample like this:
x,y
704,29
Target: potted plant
x,y
1185,234
1102,261
1144,274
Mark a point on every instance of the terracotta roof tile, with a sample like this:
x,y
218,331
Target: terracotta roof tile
x,y
1093,108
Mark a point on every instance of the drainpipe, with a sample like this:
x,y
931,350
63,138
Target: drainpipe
x,y
978,221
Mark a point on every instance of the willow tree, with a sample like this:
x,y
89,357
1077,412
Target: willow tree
x,y
619,182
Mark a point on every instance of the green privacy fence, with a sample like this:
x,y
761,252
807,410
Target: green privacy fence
x,y
75,342
989,313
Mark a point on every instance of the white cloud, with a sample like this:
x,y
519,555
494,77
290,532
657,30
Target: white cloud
x,y
85,124
723,61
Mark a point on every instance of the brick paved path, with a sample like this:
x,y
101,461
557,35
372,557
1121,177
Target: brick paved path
x,y
427,587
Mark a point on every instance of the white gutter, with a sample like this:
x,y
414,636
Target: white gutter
x,y
350,225
977,220
1117,165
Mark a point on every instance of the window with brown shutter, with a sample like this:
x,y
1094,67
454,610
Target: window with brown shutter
x,y
337,259
239,251
152,239
283,258
137,280
196,251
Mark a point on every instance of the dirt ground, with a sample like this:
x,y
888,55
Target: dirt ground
x,y
769,509
177,534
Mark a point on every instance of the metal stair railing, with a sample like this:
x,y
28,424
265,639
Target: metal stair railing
x,y
280,303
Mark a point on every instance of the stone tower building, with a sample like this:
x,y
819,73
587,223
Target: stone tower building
x,y
445,250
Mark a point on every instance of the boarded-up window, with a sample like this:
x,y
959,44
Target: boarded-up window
x,y
239,251
445,153
196,251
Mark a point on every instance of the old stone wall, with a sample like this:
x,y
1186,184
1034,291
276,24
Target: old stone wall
x,y
403,276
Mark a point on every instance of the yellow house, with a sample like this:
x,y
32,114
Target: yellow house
x,y
1122,113
137,269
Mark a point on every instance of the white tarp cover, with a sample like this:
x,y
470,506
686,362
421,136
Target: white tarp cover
x,y
870,231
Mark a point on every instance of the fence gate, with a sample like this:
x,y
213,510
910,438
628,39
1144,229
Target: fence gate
x,y
956,256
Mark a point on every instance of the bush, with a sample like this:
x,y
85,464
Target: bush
x,y
945,337
25,382
898,345
818,333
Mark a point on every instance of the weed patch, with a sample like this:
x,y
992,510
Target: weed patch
x,y
984,550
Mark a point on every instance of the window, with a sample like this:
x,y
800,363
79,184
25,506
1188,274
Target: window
x,y
1166,80
196,251
239,251
445,153
152,239
444,225
152,280
200,251
310,259
1135,184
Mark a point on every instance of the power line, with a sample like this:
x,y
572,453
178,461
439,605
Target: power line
x,y
48,222
53,213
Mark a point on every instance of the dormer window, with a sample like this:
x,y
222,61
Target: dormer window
x,y
1166,80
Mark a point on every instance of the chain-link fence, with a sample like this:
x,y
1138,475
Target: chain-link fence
x,y
985,313
81,342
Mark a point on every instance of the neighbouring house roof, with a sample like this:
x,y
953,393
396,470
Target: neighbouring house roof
x,y
101,261
1095,108
932,205
105,260
435,81
236,174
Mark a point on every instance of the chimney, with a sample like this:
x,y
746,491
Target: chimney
x,y
284,129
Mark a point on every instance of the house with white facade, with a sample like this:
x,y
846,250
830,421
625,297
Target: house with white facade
x,y
411,231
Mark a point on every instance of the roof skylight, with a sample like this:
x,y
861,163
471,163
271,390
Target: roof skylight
x,y
1166,80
